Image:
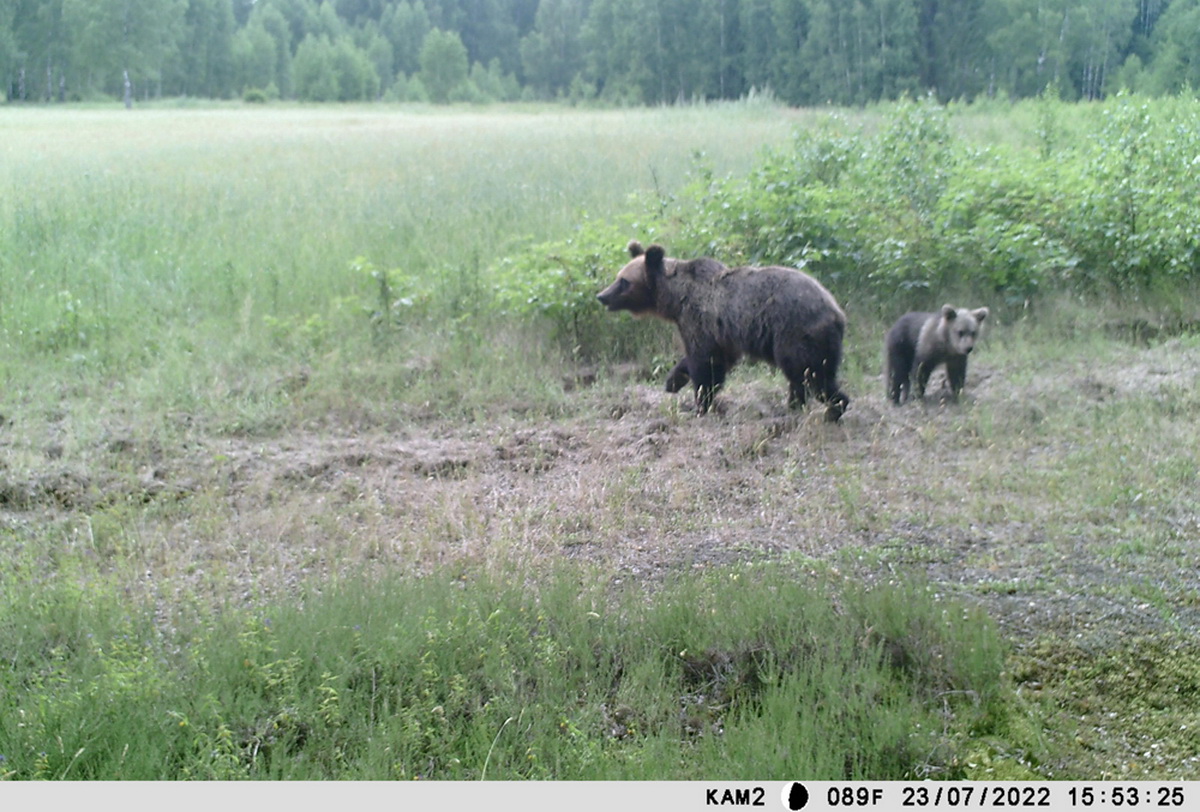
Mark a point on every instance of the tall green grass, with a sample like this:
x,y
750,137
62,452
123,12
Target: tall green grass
x,y
508,675
189,254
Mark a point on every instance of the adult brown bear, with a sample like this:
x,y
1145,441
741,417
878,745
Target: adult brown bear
x,y
779,315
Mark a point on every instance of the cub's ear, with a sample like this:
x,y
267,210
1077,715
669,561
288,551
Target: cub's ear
x,y
654,257
635,249
949,313
981,314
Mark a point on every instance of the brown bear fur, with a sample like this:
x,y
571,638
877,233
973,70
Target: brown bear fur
x,y
779,315
922,341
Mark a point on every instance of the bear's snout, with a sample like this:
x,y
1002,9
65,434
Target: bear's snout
x,y
611,297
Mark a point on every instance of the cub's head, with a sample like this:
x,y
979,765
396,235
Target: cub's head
x,y
636,282
961,327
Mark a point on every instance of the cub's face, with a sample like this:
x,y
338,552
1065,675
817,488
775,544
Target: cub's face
x,y
962,327
632,291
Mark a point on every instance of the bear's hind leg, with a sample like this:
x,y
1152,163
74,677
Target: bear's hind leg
x,y
796,365
797,394
824,386
899,368
924,370
901,390
837,402
898,374
708,376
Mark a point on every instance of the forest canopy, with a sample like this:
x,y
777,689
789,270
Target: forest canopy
x,y
804,52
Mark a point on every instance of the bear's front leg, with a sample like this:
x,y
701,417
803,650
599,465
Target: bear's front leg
x,y
678,377
956,374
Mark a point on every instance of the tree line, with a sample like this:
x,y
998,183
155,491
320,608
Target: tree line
x,y
805,52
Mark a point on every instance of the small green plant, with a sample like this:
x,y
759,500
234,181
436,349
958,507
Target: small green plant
x,y
67,322
397,296
308,332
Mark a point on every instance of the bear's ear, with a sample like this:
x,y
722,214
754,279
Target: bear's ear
x,y
980,314
654,258
654,265
949,313
635,249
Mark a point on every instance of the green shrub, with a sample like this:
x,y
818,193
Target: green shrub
x,y
556,283
1133,215
909,213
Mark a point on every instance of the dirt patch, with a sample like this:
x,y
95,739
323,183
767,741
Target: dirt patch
x,y
632,480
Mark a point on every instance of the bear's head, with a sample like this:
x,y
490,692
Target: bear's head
x,y
636,282
961,327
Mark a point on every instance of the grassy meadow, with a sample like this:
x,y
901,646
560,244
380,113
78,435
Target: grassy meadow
x,y
194,255
293,485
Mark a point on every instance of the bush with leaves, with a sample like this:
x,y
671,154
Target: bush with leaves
x,y
1134,220
912,213
861,212
895,217
557,282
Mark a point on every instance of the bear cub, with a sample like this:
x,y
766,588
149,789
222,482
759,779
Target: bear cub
x,y
779,315
922,341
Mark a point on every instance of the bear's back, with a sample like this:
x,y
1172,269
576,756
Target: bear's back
x,y
775,287
907,329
